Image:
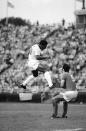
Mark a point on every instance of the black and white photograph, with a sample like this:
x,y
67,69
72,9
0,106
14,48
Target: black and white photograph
x,y
42,65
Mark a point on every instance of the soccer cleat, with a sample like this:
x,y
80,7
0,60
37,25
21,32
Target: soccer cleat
x,y
54,117
22,86
64,116
53,86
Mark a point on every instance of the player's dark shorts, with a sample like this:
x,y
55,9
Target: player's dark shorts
x,y
41,68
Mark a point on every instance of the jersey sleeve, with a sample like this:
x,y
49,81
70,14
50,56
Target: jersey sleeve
x,y
35,50
63,77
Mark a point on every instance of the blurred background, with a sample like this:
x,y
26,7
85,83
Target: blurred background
x,y
24,23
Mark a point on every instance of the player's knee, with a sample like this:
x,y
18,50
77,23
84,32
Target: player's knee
x,y
47,69
53,101
35,73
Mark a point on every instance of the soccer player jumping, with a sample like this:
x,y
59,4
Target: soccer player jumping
x,y
35,65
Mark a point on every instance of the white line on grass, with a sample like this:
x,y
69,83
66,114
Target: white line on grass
x,y
77,129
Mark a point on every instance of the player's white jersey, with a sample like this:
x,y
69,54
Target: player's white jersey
x,y
32,61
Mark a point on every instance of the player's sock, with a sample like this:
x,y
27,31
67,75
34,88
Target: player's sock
x,y
53,116
48,78
22,86
27,79
53,86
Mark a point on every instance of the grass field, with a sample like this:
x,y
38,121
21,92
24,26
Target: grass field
x,y
36,117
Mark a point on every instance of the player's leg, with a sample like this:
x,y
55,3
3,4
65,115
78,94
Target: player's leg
x,y
48,78
55,108
23,85
55,102
27,79
46,71
34,74
68,96
65,109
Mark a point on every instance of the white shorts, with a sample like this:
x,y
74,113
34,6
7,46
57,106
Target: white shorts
x,y
33,64
69,95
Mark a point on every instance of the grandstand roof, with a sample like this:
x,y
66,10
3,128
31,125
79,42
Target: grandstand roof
x,y
80,12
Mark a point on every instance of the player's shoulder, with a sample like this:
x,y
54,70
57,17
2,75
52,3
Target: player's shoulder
x,y
65,75
35,46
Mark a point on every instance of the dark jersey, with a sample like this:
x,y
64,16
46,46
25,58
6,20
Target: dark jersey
x,y
69,84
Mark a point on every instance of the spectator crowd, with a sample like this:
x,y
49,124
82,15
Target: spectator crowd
x,y
65,45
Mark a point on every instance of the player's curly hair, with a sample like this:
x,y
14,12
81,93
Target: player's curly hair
x,y
43,42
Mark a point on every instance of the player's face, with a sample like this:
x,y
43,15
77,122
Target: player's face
x,y
43,47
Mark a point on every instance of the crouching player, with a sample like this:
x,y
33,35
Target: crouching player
x,y
68,93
